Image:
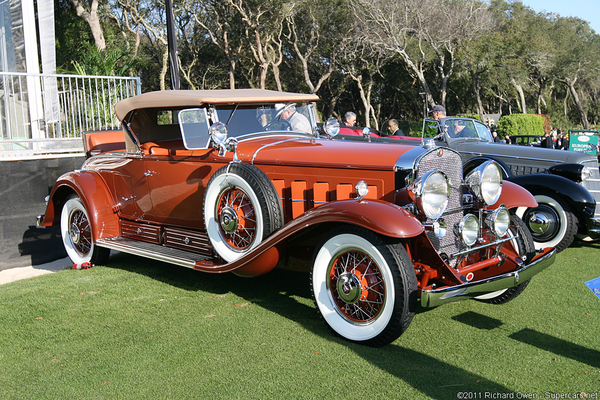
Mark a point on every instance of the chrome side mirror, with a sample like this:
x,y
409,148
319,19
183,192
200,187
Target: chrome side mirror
x,y
366,134
332,127
220,140
218,134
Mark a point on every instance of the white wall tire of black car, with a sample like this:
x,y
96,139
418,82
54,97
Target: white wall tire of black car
x,y
241,209
363,285
523,243
76,232
563,224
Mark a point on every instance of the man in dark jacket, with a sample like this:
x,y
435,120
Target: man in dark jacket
x,y
547,141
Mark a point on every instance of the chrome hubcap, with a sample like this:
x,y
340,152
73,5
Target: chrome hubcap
x,y
543,222
539,222
75,233
348,288
228,220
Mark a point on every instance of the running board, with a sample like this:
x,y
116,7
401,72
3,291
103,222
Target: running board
x,y
154,251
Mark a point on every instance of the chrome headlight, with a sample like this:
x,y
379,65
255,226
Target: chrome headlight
x,y
585,174
499,221
430,193
485,182
362,189
469,229
332,127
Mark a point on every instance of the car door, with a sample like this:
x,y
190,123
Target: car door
x,y
178,171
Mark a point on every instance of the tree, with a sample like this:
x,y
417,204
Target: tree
x,y
88,10
424,33
263,22
577,59
222,24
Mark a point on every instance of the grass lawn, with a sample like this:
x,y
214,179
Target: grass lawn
x,y
143,329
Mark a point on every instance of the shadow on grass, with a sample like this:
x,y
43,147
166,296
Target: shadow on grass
x,y
580,244
558,346
287,294
478,321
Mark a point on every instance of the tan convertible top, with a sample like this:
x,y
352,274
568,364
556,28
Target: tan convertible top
x,y
196,98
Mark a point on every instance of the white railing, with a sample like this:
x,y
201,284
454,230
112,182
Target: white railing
x,y
46,114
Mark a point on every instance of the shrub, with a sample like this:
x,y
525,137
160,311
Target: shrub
x,y
474,116
521,124
411,128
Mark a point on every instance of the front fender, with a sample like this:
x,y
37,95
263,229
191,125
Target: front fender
x,y
96,198
382,217
378,216
514,195
576,196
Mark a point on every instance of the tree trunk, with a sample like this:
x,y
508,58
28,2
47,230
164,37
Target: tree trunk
x,y
477,92
93,20
521,94
164,70
580,109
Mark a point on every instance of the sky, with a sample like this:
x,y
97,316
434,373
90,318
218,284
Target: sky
x,y
587,10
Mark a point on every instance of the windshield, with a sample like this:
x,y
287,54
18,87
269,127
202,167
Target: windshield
x,y
457,128
246,119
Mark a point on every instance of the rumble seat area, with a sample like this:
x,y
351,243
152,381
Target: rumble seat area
x,y
165,148
98,142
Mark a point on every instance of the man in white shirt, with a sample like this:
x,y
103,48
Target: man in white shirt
x,y
297,121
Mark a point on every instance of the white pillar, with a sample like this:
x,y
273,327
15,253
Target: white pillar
x,y
34,89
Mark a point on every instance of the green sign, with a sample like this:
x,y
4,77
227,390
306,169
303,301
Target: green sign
x,y
583,143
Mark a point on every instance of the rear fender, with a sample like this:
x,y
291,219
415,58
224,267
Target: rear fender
x,y
95,196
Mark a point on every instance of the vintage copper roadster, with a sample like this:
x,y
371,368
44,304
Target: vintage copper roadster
x,y
241,181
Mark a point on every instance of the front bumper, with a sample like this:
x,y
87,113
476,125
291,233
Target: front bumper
x,y
436,297
593,228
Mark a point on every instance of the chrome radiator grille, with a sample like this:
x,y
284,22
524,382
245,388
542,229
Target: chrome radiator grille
x,y
450,163
593,184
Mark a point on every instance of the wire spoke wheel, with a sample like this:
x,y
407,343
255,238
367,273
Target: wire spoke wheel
x,y
357,287
77,235
237,218
364,285
80,232
241,209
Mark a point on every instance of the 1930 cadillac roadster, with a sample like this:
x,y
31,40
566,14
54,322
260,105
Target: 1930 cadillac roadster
x,y
231,181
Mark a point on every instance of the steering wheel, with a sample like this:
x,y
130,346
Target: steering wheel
x,y
280,125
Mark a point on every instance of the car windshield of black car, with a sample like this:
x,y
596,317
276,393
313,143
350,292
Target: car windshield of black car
x,y
467,129
483,131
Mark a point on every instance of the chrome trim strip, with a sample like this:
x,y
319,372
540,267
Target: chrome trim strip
x,y
436,297
491,244
407,161
512,157
269,145
154,255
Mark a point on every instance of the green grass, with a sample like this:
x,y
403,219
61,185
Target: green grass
x,y
142,329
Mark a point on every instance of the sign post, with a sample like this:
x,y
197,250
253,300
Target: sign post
x,y
583,141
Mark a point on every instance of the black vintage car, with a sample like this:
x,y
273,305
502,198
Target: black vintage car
x,y
566,184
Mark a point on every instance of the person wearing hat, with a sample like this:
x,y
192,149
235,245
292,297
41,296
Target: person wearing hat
x,y
438,111
297,121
